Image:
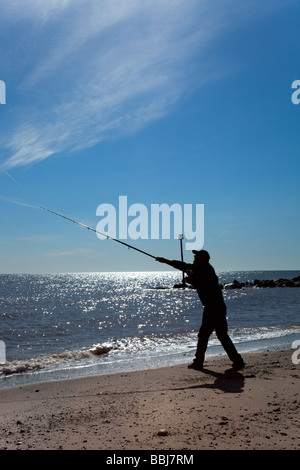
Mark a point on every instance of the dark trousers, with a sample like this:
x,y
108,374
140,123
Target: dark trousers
x,y
214,318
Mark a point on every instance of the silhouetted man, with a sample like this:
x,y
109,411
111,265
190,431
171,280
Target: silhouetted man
x,y
201,275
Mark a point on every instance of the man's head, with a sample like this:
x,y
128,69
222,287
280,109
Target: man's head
x,y
201,257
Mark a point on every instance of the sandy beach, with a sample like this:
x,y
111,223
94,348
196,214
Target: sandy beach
x,y
172,408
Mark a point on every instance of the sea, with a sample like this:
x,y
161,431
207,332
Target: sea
x,y
60,326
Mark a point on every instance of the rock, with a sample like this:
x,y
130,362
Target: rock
x,y
100,350
234,285
283,283
295,282
264,283
162,432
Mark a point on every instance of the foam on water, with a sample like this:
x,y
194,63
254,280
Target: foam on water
x,y
132,349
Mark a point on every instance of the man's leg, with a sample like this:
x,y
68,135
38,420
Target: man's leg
x,y
223,337
205,331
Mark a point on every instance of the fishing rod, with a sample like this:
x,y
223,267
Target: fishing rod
x,y
68,218
96,231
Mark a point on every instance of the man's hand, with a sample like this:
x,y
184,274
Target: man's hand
x,y
161,260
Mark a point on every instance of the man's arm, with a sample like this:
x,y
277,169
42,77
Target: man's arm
x,y
175,264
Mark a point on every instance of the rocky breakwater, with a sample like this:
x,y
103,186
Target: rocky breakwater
x,y
295,282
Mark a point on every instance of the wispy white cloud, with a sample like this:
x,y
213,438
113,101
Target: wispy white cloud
x,y
37,10
75,252
99,69
41,238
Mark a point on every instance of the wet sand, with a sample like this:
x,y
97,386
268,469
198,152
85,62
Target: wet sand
x,y
172,408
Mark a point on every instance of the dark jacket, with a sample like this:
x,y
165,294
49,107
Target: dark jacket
x,y
203,279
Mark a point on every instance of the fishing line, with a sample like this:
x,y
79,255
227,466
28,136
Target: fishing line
x,y
97,231
19,203
19,185
65,217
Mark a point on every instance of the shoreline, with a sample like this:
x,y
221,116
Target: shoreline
x,y
72,371
217,409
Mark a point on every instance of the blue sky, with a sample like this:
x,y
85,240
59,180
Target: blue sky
x,y
178,101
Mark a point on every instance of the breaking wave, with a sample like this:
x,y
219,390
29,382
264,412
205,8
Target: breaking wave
x,y
131,349
51,361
